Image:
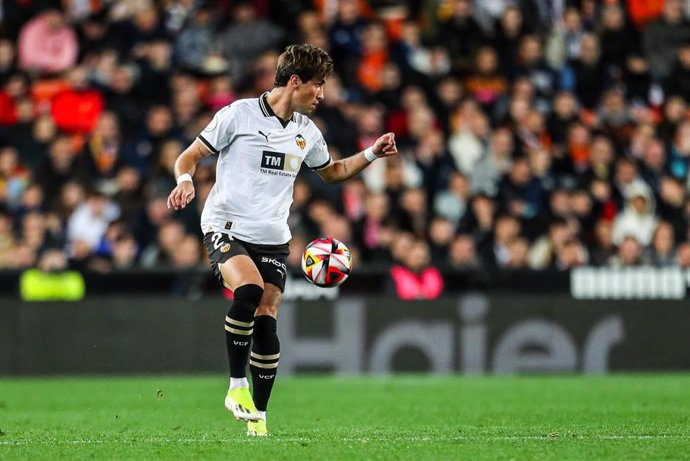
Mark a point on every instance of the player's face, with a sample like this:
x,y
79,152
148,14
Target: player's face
x,y
308,96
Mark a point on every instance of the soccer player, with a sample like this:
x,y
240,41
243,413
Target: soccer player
x,y
261,144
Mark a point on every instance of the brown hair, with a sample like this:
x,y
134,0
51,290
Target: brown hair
x,y
306,61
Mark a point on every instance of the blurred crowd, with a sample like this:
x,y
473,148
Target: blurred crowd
x,y
533,133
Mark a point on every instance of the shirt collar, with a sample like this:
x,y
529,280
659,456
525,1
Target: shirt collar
x,y
268,112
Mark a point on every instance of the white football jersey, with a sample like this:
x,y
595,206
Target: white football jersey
x,y
259,158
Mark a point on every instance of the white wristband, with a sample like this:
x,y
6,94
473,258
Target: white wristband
x,y
369,154
184,177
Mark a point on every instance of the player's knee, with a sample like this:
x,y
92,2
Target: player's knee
x,y
248,297
267,309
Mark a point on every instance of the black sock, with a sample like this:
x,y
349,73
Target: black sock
x,y
239,324
263,362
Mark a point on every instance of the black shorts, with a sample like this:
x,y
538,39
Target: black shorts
x,y
269,259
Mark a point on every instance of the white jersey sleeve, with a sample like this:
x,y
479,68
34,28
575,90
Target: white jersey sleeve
x,y
219,133
318,156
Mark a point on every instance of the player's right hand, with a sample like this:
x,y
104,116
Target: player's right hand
x,y
181,195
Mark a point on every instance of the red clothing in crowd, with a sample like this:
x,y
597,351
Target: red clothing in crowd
x,y
409,285
77,111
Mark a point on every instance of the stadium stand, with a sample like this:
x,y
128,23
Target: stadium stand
x,y
533,134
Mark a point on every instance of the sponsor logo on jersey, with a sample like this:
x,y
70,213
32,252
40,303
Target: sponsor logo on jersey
x,y
273,162
225,248
300,141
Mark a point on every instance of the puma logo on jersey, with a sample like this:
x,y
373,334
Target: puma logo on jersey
x,y
266,376
264,135
241,343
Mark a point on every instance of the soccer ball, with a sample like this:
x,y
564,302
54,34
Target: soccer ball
x,y
326,262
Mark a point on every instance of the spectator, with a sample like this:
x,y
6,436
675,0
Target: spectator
x,y
371,230
674,113
452,202
462,254
587,74
441,233
480,218
494,163
531,64
47,44
629,253
618,40
415,278
637,79
661,252
517,253
602,247
195,43
571,254
663,36
161,252
683,255
143,150
508,34
8,241
124,252
14,177
413,214
373,58
521,193
7,59
564,114
678,81
544,252
34,149
637,219
672,204
462,35
495,252
59,168
100,159
564,43
247,37
653,165
77,108
89,221
486,84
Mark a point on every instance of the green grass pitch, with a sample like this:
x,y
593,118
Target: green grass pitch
x,y
324,418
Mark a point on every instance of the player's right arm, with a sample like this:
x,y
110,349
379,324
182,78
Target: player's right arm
x,y
185,166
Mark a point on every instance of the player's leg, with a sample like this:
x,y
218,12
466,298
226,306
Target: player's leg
x,y
240,275
265,354
236,270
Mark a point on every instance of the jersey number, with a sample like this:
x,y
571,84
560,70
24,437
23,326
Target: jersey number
x,y
217,239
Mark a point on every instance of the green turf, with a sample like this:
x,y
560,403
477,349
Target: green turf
x,y
411,417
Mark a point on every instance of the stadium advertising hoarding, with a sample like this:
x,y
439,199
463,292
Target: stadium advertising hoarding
x,y
472,333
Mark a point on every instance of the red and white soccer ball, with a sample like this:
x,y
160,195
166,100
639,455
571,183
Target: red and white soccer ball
x,y
326,262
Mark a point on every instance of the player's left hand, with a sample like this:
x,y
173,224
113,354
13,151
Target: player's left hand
x,y
385,146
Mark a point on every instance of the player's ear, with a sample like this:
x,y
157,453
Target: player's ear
x,y
295,80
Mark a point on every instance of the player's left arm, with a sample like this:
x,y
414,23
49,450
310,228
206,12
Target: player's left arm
x,y
346,168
